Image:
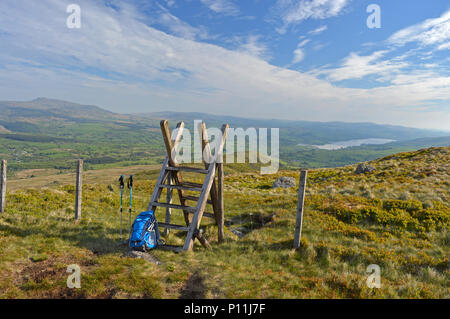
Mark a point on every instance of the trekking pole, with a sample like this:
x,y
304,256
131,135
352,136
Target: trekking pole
x,y
130,186
122,184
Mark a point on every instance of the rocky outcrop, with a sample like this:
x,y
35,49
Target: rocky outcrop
x,y
364,168
284,182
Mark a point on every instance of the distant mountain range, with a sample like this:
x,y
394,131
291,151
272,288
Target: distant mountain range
x,y
51,108
300,131
308,132
44,128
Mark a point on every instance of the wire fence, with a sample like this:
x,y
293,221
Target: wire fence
x,y
100,202
57,194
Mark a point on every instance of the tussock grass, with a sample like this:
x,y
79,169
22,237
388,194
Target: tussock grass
x,y
393,217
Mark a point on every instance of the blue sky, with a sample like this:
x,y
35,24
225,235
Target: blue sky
x,y
290,59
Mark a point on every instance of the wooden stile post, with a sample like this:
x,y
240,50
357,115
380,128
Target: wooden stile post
x,y
301,199
206,149
169,201
199,235
3,188
216,192
196,219
79,189
170,178
221,217
170,147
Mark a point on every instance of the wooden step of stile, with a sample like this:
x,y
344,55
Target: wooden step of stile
x,y
187,169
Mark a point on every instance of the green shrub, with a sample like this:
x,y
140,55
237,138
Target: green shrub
x,y
348,216
408,205
432,218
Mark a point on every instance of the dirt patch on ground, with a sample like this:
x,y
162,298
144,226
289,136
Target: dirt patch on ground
x,y
39,271
195,287
31,276
243,224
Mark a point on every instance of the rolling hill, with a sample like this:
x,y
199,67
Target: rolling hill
x,y
308,132
48,133
51,108
396,217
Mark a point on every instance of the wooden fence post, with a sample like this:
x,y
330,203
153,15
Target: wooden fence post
x,y
3,188
79,189
300,202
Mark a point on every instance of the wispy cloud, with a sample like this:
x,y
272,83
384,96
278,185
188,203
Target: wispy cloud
x,y
304,42
444,46
356,66
253,46
299,52
430,32
222,6
176,26
181,28
429,35
120,61
296,11
319,30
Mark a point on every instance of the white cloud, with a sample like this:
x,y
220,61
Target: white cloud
x,y
295,11
299,55
429,32
118,61
318,30
303,43
356,67
299,52
176,26
253,46
181,28
444,46
221,6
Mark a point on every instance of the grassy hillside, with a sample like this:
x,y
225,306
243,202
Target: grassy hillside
x,y
52,134
397,217
301,156
47,133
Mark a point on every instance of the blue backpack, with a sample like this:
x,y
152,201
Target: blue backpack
x,y
145,233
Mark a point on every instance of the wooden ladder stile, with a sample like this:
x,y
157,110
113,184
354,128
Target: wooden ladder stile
x,y
170,178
